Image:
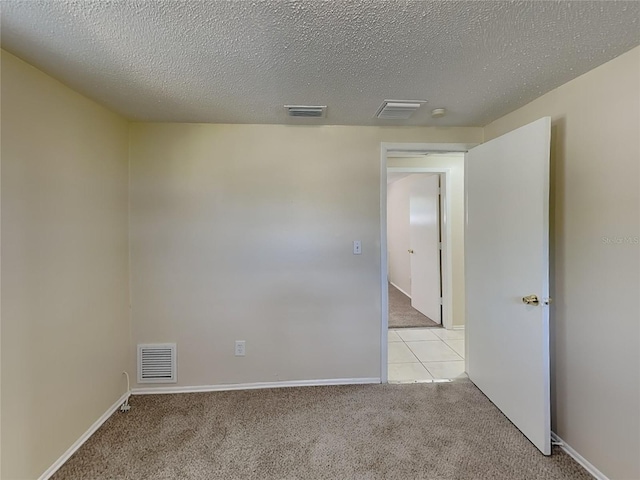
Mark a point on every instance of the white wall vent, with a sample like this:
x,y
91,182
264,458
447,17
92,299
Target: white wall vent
x,y
157,363
306,111
398,109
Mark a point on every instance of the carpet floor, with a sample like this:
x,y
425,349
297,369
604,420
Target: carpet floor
x,y
402,314
436,431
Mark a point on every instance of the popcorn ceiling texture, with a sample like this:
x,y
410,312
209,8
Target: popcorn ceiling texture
x,y
241,61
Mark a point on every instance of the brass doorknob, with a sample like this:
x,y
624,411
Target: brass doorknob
x,y
531,300
410,251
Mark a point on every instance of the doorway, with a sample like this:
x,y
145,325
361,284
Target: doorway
x,y
419,349
407,345
414,206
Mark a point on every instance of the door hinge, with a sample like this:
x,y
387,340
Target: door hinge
x,y
439,245
441,301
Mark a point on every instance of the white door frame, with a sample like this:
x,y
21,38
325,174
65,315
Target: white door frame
x,y
447,271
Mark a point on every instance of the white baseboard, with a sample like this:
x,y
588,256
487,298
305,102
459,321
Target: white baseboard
x,y
579,458
457,327
400,289
83,438
253,386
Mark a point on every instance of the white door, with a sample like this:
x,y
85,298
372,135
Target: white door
x,y
506,259
424,236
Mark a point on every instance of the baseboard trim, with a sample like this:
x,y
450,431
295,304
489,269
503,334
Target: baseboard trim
x,y
457,327
254,386
83,438
400,289
579,458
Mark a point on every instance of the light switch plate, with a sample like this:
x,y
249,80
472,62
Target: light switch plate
x,y
357,247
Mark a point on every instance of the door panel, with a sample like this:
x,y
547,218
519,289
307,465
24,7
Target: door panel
x,y
507,258
424,236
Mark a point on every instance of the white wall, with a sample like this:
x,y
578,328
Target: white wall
x,y
245,231
65,318
595,183
398,242
455,163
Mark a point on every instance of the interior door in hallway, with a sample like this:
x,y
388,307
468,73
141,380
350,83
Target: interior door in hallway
x,y
507,276
424,238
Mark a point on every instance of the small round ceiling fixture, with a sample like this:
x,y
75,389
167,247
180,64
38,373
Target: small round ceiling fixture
x,y
438,112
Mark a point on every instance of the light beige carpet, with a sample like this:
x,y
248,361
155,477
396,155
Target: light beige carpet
x,y
402,314
395,432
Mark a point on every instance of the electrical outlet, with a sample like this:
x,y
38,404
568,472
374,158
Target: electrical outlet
x,y
240,348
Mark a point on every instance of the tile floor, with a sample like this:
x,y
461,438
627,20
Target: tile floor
x,y
425,354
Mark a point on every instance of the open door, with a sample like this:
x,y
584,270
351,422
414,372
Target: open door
x,y
424,238
507,276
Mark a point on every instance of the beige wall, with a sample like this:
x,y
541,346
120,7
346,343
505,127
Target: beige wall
x,y
398,241
455,164
595,316
65,319
244,232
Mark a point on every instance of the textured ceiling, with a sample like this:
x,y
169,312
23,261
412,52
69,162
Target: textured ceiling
x,y
241,61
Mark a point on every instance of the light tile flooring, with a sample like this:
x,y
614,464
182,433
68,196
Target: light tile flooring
x,y
425,354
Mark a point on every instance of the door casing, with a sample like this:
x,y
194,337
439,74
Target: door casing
x,y
447,281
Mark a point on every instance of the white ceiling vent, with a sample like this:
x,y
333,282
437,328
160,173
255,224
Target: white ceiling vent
x,y
306,111
157,363
398,109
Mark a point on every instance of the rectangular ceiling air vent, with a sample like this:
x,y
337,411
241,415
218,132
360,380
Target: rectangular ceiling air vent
x,y
157,363
398,109
306,111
